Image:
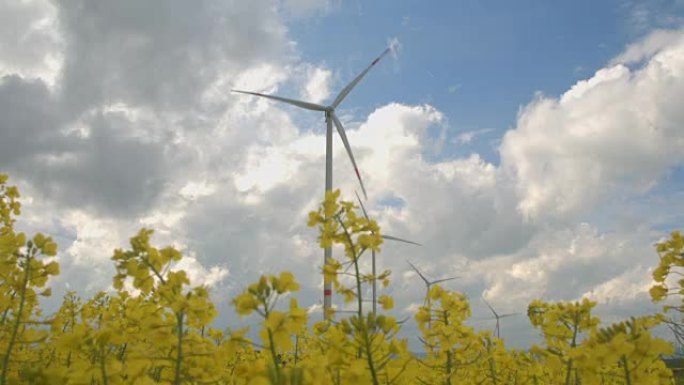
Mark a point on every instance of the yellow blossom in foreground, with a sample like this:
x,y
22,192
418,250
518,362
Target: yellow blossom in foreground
x,y
157,328
386,302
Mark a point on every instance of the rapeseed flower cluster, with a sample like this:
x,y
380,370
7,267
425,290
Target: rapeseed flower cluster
x,y
154,327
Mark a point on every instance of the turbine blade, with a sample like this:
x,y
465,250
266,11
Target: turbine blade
x,y
392,238
490,308
444,280
346,90
508,315
298,103
421,275
343,135
363,208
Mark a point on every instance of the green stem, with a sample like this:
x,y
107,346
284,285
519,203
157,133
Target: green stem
x,y
274,356
362,321
179,355
296,356
123,352
573,344
17,322
628,378
155,271
271,342
103,367
492,368
568,372
449,362
359,299
369,356
355,259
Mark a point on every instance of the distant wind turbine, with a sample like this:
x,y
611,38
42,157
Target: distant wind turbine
x,y
498,317
384,236
428,283
330,119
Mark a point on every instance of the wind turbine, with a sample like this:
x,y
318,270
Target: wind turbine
x,y
428,283
330,119
497,317
384,236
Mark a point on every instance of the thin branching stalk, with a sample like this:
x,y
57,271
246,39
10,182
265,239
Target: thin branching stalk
x,y
625,366
363,325
449,363
179,348
271,343
369,355
492,368
103,366
15,328
575,328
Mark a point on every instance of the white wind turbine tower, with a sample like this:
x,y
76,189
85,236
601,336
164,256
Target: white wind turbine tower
x,y
384,236
428,283
330,119
497,316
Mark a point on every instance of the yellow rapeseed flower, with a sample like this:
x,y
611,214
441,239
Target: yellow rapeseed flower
x,y
245,303
386,302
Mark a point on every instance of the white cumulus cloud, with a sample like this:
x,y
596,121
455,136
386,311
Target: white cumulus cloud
x,y
618,131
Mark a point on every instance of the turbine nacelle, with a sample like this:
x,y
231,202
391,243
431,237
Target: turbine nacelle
x,y
428,283
498,317
329,110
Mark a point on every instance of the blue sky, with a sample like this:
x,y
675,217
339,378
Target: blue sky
x,y
533,147
477,61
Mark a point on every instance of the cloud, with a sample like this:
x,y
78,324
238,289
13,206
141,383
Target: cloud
x,y
107,171
29,114
601,151
161,55
645,48
617,131
579,256
118,115
468,136
317,87
644,16
136,97
140,129
198,274
307,8
624,288
31,44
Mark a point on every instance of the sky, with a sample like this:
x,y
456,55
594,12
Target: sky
x,y
534,148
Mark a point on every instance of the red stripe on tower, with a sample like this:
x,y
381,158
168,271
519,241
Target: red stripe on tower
x,y
327,292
